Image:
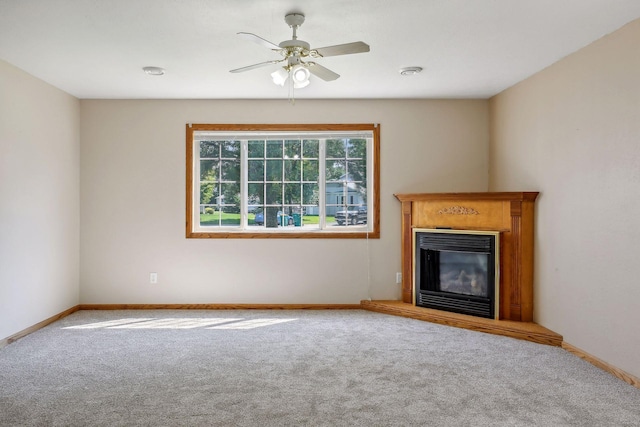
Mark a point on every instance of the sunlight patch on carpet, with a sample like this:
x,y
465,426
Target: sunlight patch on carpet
x,y
251,324
107,324
182,323
175,323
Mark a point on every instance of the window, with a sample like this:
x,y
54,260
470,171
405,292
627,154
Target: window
x,y
283,181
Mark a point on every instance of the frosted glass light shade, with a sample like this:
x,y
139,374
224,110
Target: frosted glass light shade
x,y
300,76
280,76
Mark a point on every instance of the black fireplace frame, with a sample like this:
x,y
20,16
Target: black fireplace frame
x,y
427,242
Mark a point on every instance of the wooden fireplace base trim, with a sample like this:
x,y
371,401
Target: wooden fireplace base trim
x,y
521,330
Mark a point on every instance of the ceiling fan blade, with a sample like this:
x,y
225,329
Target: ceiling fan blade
x,y
342,49
259,40
322,72
254,66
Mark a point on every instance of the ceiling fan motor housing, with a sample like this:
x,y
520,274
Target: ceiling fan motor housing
x,y
293,45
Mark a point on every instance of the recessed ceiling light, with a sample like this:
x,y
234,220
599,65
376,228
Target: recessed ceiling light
x,y
153,71
410,71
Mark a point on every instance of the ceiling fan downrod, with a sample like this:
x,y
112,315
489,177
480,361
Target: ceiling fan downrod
x,y
294,46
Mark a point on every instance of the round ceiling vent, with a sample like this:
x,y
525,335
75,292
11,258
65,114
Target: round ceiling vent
x,y
153,71
410,71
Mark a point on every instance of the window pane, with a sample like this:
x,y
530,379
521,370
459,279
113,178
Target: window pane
x,y
256,149
310,170
292,194
230,170
208,193
334,198
271,217
357,170
336,148
255,217
363,196
273,194
230,149
310,148
292,170
230,196
256,170
335,170
310,194
357,149
209,149
208,170
292,149
209,217
274,149
229,217
274,170
331,212
256,194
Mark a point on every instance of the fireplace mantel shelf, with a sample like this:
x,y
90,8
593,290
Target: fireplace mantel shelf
x,y
521,330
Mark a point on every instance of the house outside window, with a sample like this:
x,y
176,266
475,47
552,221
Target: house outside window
x,y
283,181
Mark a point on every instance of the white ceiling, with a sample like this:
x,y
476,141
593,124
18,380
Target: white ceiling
x,y
468,48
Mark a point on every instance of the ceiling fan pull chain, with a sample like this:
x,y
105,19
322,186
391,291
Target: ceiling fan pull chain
x,y
292,94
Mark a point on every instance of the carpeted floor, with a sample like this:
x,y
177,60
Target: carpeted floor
x,y
296,368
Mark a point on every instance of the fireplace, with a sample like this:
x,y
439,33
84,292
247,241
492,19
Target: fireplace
x,y
510,213
457,271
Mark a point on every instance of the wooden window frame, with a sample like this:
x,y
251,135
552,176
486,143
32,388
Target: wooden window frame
x,y
372,233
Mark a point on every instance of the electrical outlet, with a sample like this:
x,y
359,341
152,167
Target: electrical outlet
x,y
153,277
398,277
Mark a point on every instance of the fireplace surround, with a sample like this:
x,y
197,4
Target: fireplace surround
x,y
511,214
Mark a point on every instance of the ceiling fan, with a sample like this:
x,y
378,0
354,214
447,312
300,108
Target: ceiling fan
x,y
294,54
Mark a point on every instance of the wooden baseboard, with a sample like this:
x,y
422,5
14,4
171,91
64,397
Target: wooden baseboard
x,y
220,307
616,372
15,337
520,330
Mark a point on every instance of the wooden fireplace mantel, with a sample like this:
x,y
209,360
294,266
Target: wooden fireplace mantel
x,y
509,213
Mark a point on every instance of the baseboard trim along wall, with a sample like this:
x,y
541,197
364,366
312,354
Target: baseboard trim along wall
x,y
616,372
15,337
220,307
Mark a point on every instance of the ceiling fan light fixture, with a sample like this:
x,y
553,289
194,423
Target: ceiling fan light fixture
x,y
295,74
301,85
300,76
280,76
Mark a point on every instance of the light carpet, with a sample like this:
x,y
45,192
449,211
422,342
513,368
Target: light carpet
x,y
296,368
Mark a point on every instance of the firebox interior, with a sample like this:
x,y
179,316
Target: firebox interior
x,y
457,271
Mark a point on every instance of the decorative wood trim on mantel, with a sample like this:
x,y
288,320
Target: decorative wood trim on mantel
x,y
421,197
510,213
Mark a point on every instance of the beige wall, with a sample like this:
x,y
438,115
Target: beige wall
x,y
39,200
133,191
572,132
